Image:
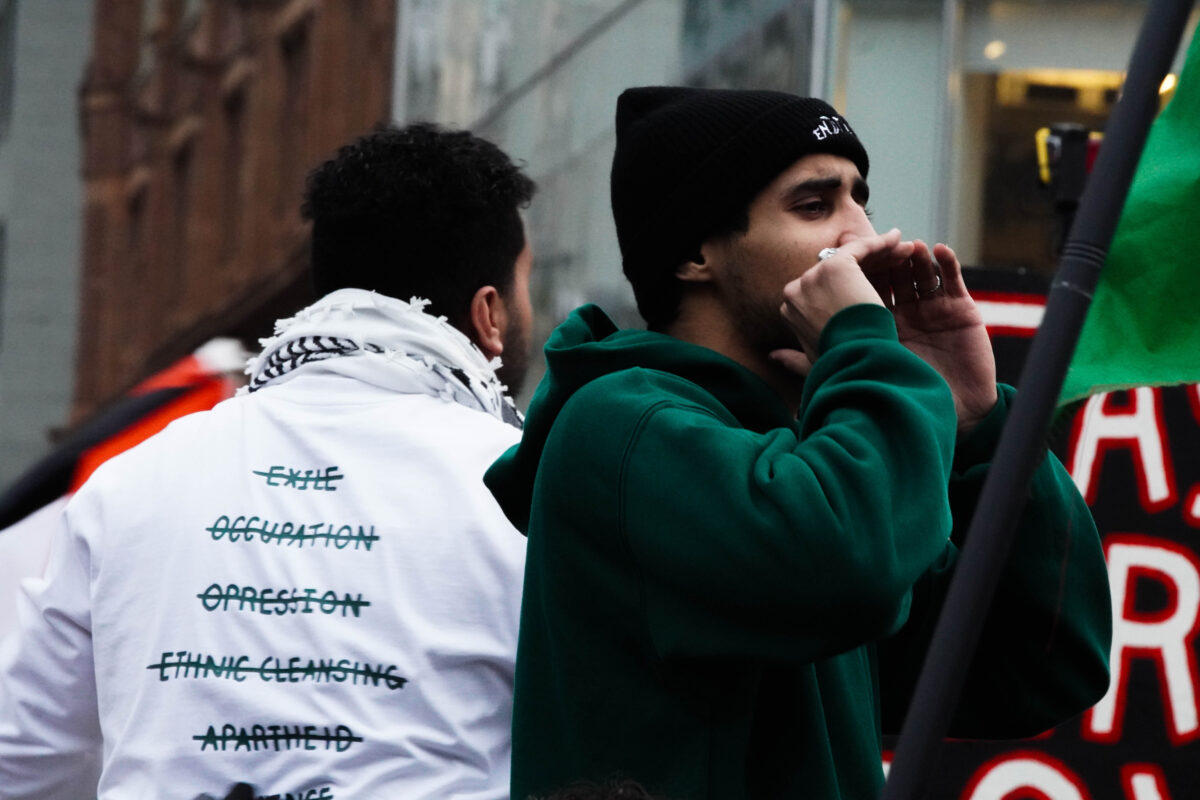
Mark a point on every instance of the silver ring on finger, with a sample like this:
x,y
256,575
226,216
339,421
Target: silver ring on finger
x,y
828,252
937,287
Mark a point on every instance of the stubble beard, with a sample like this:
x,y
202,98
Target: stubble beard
x,y
514,363
759,318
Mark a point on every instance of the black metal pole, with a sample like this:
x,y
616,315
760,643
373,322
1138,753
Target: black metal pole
x,y
1020,447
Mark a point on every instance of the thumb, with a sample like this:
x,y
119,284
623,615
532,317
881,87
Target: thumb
x,y
792,360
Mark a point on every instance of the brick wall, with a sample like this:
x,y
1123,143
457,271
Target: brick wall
x,y
200,121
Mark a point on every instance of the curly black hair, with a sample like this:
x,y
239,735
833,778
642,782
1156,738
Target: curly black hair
x,y
419,211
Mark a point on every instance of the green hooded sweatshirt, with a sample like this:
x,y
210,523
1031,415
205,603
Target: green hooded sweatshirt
x,y
723,601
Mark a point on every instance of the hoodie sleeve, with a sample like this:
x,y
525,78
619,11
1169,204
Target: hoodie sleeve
x,y
800,542
1043,653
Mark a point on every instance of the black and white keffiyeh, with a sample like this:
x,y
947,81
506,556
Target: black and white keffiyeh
x,y
385,342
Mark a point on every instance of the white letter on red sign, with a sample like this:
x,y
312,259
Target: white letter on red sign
x,y
1100,427
1191,506
1026,770
1164,636
1191,509
1144,782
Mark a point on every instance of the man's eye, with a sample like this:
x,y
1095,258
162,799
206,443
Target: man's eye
x,y
811,207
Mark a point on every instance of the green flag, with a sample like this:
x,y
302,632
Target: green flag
x,y
1143,328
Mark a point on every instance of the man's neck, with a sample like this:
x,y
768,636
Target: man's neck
x,y
702,321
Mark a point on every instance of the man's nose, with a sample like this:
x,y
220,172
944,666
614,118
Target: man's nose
x,y
857,226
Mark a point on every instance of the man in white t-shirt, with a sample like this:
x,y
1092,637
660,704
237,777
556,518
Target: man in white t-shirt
x,y
309,588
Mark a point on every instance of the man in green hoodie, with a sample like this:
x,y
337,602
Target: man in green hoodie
x,y
742,521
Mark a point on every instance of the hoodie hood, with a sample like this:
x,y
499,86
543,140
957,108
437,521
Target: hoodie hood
x,y
587,346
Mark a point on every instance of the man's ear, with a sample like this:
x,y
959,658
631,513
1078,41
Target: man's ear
x,y
488,320
699,267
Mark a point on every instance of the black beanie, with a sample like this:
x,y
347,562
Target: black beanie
x,y
690,160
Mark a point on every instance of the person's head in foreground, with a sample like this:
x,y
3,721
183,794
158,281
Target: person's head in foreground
x,y
730,186
723,197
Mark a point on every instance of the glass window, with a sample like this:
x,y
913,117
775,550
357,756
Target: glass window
x,y
459,54
732,32
1023,226
770,49
1027,66
948,98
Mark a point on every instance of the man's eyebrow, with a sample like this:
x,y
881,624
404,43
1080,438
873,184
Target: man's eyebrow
x,y
858,188
860,191
810,186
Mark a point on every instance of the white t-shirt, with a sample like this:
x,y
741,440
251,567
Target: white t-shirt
x,y
308,588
